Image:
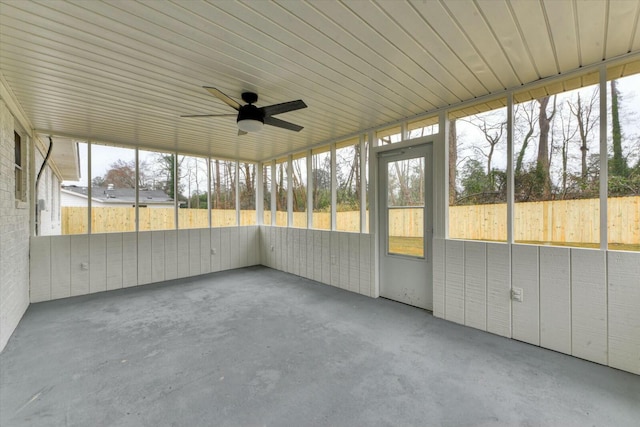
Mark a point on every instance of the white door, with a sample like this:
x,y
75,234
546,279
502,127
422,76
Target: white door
x,y
404,186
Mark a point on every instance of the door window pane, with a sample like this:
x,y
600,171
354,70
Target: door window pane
x,y
405,207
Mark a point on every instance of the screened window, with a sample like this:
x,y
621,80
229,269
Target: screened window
x,y
557,165
623,144
192,195
281,192
223,193
348,186
247,193
478,188
299,191
321,170
157,175
266,193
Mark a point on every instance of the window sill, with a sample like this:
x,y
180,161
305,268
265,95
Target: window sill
x,y
21,205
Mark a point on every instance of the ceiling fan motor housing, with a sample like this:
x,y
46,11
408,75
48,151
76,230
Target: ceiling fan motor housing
x,y
250,112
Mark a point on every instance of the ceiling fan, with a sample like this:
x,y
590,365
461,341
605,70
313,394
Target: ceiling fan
x,y
251,118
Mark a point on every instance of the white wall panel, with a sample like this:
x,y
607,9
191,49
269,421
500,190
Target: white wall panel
x,y
170,254
475,285
194,252
114,261
343,260
438,260
309,242
97,263
183,253
454,270
144,258
243,247
289,250
294,256
624,310
499,289
225,249
318,253
302,248
365,265
60,267
555,299
589,305
253,243
354,262
277,256
40,269
334,255
129,259
524,275
79,265
157,256
326,257
205,250
234,246
215,247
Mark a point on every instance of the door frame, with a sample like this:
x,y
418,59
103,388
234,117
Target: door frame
x,y
375,202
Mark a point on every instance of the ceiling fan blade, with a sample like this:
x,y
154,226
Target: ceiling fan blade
x,y
272,110
209,115
221,96
241,132
282,124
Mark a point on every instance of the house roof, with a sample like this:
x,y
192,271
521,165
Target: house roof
x,y
121,195
124,72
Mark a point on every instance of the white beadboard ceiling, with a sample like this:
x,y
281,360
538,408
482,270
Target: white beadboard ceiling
x,y
124,71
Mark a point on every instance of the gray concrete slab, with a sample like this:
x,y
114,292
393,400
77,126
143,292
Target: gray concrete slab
x,y
256,347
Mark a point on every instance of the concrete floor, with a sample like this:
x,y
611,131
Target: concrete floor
x,y
257,347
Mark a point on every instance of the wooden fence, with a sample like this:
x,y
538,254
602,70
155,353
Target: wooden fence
x,y
574,221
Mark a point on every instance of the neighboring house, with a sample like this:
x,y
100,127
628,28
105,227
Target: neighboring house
x,y
72,195
63,164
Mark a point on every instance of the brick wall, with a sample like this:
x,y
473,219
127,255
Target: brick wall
x,y
14,235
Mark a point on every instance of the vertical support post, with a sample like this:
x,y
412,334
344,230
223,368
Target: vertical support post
x,y
137,223
510,177
289,191
209,189
273,193
604,161
89,189
175,188
237,185
259,194
309,190
442,226
334,189
404,133
363,184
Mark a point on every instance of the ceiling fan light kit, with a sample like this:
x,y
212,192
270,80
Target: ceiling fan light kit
x,y
251,118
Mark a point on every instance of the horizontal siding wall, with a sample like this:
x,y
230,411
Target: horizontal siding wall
x,y
343,260
63,266
582,302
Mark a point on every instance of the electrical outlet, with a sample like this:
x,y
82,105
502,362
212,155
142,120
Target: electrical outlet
x,y
517,294
272,248
213,251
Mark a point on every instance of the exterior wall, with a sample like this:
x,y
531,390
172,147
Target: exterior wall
x,y
582,302
14,233
340,259
64,266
